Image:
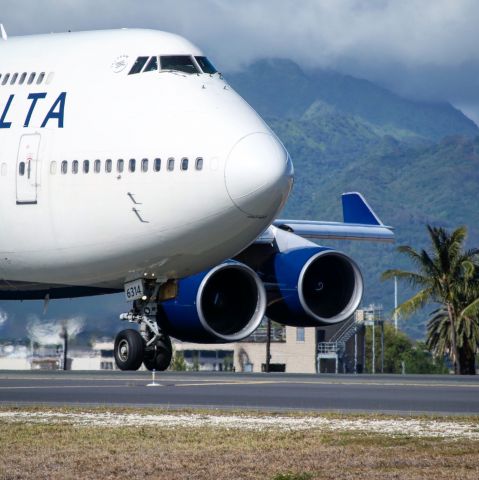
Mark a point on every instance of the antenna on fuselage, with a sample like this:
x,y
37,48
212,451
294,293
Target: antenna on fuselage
x,y
4,33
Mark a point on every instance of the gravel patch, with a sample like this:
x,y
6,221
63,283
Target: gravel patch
x,y
392,427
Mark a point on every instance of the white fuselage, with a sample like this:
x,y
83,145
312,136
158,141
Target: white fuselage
x,y
103,228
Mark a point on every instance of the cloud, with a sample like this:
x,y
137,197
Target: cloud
x,y
439,32
423,48
50,332
3,317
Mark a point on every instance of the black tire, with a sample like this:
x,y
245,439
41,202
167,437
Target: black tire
x,y
160,358
129,350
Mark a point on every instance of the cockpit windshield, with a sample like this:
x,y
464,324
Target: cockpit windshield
x,y
173,63
179,63
206,65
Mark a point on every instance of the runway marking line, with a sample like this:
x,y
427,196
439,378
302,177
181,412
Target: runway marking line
x,y
39,387
139,383
296,382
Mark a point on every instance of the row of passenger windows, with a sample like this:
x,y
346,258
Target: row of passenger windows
x,y
179,63
28,78
119,166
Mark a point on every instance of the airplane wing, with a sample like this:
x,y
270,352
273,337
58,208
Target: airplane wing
x,y
360,223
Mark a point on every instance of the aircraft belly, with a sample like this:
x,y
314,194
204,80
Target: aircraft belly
x,y
172,253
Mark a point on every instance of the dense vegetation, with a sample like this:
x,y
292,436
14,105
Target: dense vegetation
x,y
417,163
401,354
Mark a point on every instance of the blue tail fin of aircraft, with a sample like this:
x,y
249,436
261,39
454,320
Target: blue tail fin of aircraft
x,y
357,210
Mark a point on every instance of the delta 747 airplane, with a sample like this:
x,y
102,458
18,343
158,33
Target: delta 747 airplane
x,y
127,163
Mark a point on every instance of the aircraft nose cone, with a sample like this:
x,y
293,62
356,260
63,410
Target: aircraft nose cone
x,y
258,175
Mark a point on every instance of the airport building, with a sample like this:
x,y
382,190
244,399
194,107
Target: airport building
x,y
334,349
23,357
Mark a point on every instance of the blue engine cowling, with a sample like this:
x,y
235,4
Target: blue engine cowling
x,y
224,304
312,286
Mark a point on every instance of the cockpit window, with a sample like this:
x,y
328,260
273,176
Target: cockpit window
x,y
138,65
152,65
206,65
180,63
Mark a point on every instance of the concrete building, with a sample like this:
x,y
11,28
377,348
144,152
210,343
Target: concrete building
x,y
334,349
294,352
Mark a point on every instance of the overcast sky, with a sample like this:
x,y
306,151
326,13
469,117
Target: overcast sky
x,y
422,48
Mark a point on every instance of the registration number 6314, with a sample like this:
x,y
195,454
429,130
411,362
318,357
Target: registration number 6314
x,y
134,290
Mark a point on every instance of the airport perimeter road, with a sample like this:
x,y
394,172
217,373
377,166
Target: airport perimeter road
x,y
274,392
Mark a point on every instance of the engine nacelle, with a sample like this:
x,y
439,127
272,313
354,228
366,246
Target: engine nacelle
x,y
312,286
224,304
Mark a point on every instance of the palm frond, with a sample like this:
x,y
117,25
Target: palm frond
x,y
415,303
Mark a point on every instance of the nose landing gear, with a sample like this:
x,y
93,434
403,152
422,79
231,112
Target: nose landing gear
x,y
150,345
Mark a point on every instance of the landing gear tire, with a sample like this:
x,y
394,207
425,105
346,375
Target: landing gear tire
x,y
159,359
129,350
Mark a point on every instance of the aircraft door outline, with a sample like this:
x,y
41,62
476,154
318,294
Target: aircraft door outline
x,y
27,169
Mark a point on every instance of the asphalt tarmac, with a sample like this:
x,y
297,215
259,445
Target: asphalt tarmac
x,y
408,394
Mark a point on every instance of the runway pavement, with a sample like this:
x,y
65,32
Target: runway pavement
x,y
409,394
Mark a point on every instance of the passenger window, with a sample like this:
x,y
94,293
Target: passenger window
x,y
86,166
152,65
180,63
50,78
40,78
132,165
31,78
120,165
97,167
171,164
157,166
138,65
53,168
199,163
4,169
184,164
14,78
108,165
64,167
5,78
23,76
144,165
21,169
75,167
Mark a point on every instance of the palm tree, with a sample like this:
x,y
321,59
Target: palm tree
x,y
447,276
467,332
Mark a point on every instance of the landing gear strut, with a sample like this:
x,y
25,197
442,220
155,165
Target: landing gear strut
x,y
150,345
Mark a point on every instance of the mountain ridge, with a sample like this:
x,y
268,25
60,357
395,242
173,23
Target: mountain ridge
x,y
265,82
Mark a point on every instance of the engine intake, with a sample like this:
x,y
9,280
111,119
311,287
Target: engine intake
x,y
313,286
224,304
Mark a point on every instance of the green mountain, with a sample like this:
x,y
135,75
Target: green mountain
x,y
416,163
281,89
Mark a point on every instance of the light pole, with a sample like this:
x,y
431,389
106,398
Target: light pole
x,y
65,347
268,344
395,303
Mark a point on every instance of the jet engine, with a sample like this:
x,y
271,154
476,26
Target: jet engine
x,y
312,286
224,304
